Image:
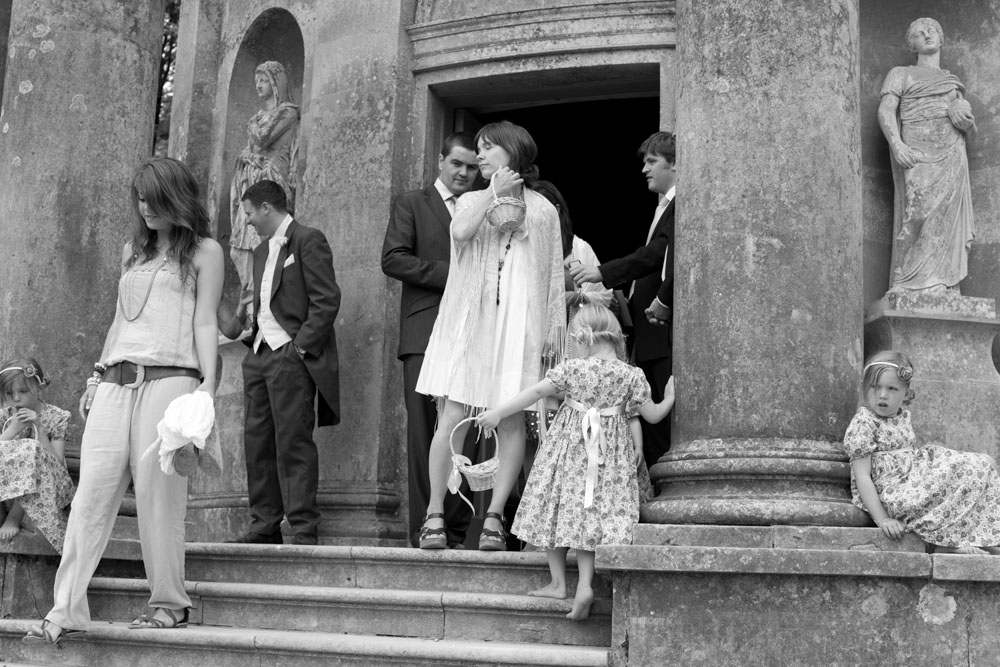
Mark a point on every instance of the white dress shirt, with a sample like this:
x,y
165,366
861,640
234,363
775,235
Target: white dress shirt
x,y
447,195
268,329
660,208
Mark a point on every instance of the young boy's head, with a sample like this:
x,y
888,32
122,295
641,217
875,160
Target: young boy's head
x,y
659,161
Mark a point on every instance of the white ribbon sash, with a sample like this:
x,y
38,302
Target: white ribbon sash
x,y
594,441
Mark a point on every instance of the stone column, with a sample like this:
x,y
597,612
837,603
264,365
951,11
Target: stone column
x,y
196,75
77,119
768,282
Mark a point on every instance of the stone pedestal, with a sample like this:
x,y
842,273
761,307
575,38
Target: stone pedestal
x,y
728,596
948,338
768,280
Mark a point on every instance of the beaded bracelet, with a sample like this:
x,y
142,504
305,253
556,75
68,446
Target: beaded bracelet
x,y
94,379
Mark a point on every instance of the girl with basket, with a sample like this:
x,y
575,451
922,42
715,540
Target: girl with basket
x,y
502,316
589,476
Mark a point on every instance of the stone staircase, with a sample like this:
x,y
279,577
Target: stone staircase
x,y
264,605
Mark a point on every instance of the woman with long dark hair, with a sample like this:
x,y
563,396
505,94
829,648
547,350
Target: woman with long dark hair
x,y
502,316
163,344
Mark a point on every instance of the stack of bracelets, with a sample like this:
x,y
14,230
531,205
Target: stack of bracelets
x,y
97,375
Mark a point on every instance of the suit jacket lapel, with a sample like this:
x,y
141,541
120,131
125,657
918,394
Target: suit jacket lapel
x,y
438,206
282,256
668,214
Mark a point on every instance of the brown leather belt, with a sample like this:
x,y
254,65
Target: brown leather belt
x,y
133,375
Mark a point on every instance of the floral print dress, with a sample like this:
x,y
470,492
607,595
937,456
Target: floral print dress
x,y
552,512
35,477
947,497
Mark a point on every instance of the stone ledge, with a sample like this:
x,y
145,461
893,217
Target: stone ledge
x,y
823,538
114,643
764,561
957,567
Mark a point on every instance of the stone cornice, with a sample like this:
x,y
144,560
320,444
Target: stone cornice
x,y
640,24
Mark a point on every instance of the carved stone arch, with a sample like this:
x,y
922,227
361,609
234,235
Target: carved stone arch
x,y
274,35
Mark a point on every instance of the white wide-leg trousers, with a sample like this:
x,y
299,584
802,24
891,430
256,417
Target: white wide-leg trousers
x,y
120,427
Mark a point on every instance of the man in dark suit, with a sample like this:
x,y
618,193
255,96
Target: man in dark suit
x,y
291,373
416,252
651,299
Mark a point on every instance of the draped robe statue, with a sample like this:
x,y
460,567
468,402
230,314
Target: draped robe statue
x,y
268,155
924,116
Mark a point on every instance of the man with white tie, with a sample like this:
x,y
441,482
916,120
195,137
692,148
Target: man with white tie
x,y
291,372
416,251
651,267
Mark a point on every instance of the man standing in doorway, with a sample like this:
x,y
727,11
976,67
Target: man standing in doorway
x,y
416,251
651,299
292,361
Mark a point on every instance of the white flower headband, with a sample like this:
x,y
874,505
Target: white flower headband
x,y
905,373
30,371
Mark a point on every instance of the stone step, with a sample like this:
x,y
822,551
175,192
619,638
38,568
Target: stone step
x,y
395,612
378,567
113,645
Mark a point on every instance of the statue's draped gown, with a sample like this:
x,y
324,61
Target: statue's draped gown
x,y
933,224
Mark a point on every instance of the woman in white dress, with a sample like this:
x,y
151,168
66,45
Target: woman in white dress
x,y
501,317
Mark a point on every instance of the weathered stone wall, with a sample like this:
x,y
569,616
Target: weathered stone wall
x,y
729,596
972,53
352,83
77,120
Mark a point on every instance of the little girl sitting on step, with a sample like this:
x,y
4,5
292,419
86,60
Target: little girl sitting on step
x,y
584,488
951,499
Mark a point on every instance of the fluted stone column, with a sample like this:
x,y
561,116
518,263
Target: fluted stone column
x,y
77,119
768,282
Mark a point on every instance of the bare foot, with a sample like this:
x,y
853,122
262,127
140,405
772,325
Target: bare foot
x,y
965,551
7,533
553,590
581,604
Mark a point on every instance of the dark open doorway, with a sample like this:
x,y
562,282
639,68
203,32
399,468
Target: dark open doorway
x,y
588,150
6,8
588,123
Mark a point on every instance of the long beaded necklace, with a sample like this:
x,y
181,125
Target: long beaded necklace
x,y
503,259
149,290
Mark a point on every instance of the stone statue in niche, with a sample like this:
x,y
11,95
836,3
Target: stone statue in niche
x,y
925,118
270,154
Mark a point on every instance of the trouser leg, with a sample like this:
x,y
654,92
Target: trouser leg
x,y
656,437
293,397
263,487
160,499
104,476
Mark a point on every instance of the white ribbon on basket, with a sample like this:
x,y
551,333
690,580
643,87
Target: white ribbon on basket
x,y
595,442
188,418
461,463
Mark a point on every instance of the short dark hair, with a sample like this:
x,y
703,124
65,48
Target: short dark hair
x,y
266,191
518,143
551,192
660,143
461,139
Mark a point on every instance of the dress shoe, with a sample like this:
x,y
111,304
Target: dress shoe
x,y
307,540
257,538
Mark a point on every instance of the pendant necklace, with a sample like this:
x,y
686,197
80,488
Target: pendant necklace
x,y
149,290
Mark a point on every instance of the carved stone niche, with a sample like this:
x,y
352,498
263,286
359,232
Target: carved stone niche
x,y
274,35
